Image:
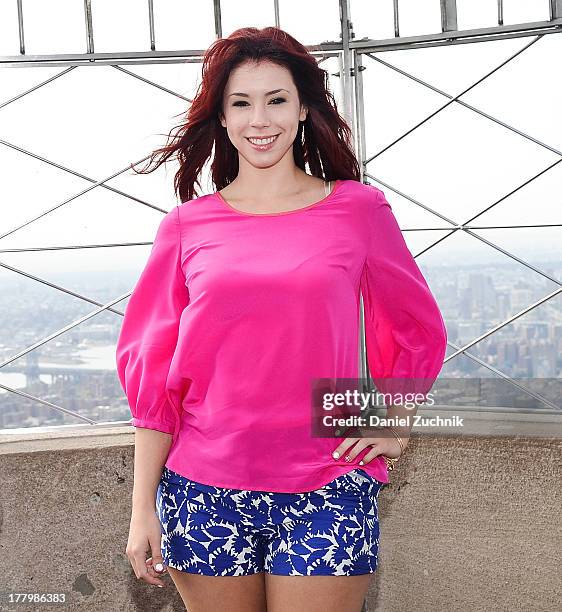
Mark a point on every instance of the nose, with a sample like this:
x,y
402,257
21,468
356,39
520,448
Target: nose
x,y
259,117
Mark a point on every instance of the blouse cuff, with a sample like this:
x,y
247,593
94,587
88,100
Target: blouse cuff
x,y
162,426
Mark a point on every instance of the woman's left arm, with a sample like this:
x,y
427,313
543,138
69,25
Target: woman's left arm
x,y
405,334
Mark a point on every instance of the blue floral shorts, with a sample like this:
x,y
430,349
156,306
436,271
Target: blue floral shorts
x,y
213,531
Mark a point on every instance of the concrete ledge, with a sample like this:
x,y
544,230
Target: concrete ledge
x,y
467,523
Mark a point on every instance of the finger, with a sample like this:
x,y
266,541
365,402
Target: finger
x,y
157,559
341,450
143,573
374,452
157,562
359,447
133,563
156,566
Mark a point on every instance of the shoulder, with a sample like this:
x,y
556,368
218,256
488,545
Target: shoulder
x,y
371,200
170,221
188,209
369,193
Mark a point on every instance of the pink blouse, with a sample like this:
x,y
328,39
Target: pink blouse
x,y
236,313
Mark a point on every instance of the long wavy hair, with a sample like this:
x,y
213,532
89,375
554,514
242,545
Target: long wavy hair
x,y
323,140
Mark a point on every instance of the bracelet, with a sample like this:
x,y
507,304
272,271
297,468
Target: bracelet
x,y
390,461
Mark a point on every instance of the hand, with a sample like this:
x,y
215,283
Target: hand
x,y
145,534
384,445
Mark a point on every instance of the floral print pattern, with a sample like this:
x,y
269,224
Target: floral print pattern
x,y
213,531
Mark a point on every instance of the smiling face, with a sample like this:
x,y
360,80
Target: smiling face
x,y
261,101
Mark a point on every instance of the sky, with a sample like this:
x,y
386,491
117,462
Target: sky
x,y
97,120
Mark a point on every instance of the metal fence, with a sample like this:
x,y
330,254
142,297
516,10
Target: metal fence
x,y
353,58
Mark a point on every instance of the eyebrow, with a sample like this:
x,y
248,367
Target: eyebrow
x,y
267,93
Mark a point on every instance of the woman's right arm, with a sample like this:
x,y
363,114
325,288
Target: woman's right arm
x,y
151,450
144,352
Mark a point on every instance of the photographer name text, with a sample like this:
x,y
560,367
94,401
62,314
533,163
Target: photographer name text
x,y
373,420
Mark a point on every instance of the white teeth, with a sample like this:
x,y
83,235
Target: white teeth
x,y
262,141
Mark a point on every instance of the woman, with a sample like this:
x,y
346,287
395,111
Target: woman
x,y
250,296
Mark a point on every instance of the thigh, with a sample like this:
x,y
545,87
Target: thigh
x,y
205,531
332,531
316,593
212,593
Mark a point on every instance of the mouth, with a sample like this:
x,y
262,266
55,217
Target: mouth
x,y
263,147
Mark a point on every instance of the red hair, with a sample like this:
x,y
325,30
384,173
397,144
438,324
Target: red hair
x,y
323,140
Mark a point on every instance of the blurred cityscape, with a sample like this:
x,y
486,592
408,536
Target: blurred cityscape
x,y
76,370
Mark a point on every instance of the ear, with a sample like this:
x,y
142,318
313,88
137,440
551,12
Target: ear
x,y
303,114
221,119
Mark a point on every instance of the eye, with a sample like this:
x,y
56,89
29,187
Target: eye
x,y
242,102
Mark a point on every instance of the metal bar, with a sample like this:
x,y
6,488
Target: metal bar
x,y
461,226
449,16
555,7
500,12
20,27
276,13
218,18
360,148
151,25
438,229
346,66
460,37
396,18
331,49
89,26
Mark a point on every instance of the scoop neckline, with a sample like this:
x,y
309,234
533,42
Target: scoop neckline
x,y
337,184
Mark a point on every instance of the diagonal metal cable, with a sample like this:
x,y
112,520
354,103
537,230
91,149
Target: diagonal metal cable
x,y
55,286
83,176
63,330
101,245
49,404
149,82
503,124
37,86
463,227
96,183
553,294
64,168
480,80
470,232
524,184
504,323
465,104
141,160
77,195
503,375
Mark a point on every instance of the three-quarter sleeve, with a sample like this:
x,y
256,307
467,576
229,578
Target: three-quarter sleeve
x,y
405,335
149,332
